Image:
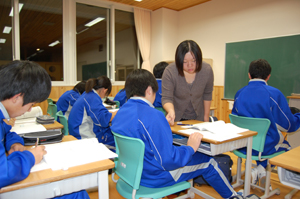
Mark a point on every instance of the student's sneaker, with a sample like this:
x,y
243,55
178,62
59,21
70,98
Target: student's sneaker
x,y
254,175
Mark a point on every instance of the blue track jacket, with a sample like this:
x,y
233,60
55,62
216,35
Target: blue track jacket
x,y
121,97
157,102
16,166
259,100
89,118
66,102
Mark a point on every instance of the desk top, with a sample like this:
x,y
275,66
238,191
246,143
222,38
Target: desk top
x,y
55,125
47,175
289,160
175,129
293,97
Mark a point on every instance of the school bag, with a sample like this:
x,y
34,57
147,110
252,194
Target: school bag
x,y
225,163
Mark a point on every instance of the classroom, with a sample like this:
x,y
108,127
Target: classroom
x,y
211,24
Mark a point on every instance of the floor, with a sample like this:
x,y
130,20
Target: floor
x,y
113,193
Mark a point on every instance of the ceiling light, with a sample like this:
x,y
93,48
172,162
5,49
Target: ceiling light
x,y
54,43
2,41
6,29
139,0
12,10
98,19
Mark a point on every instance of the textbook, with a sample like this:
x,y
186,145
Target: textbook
x,y
26,123
218,130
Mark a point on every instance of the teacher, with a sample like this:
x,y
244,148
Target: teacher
x,y
187,85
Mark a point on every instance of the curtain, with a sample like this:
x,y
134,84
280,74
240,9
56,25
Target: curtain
x,y
142,20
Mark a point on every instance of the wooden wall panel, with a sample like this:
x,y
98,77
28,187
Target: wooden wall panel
x,y
221,112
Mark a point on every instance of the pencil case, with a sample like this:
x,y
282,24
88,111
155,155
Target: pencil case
x,y
43,137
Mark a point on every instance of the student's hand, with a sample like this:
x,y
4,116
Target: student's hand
x,y
171,117
10,122
16,147
195,140
38,153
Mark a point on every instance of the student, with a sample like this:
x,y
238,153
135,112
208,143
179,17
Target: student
x,y
121,97
67,100
164,163
22,84
88,117
259,100
158,71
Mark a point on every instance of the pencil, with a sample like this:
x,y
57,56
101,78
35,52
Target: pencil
x,y
37,142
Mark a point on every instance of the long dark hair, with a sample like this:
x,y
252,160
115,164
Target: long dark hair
x,y
96,83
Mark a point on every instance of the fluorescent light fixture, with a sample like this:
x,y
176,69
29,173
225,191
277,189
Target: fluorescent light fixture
x,y
6,29
139,0
98,19
2,41
12,10
54,43
82,31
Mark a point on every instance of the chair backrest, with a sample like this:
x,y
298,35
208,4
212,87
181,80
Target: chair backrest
x,y
260,125
64,121
52,110
161,109
129,164
49,100
118,104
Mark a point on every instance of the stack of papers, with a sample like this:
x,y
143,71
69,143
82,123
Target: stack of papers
x,y
218,130
73,153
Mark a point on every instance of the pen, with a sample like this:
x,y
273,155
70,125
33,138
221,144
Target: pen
x,y
37,142
185,124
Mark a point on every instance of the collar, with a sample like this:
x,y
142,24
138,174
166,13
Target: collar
x,y
258,80
143,99
4,111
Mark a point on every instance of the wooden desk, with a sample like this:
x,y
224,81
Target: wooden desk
x,y
247,136
286,162
48,183
54,126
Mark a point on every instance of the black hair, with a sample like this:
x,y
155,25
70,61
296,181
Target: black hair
x,y
138,81
183,48
97,83
159,68
80,87
260,69
27,78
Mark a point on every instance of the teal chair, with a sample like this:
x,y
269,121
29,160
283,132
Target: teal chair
x,y
118,104
261,126
129,167
64,121
52,110
49,100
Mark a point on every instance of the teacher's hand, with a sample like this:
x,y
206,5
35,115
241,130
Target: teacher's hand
x,y
171,117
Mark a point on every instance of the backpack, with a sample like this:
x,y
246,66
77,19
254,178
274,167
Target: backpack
x,y
225,164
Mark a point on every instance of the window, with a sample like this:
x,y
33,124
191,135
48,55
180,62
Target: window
x,y
5,32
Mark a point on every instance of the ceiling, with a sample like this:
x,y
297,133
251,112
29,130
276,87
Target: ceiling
x,y
176,5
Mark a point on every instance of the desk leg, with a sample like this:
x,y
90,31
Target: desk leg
x,y
103,192
248,167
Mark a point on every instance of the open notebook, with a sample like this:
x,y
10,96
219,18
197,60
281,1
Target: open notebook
x,y
218,130
26,123
73,153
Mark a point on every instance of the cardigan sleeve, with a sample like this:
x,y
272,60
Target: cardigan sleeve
x,y
168,86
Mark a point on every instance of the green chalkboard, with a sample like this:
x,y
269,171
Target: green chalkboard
x,y
283,54
93,70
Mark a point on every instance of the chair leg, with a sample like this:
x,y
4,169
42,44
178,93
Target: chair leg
x,y
269,193
239,181
290,195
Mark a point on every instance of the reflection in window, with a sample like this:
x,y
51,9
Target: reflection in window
x,y
41,35
126,45
91,40
5,32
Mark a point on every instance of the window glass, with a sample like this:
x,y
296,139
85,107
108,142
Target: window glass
x,y
41,35
5,32
126,46
91,40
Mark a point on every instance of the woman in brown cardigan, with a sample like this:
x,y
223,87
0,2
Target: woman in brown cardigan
x,y
187,85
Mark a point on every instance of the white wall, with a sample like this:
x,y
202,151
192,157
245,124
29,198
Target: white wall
x,y
214,23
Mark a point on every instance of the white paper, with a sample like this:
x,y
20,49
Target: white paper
x,y
21,128
73,153
35,112
210,135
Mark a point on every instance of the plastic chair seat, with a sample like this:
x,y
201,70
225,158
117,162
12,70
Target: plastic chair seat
x,y
64,121
126,190
244,156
